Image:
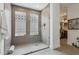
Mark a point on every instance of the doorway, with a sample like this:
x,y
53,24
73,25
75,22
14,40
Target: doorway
x,y
63,26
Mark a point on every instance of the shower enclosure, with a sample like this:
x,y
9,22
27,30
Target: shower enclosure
x,y
25,25
29,29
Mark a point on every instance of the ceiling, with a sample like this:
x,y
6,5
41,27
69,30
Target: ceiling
x,y
36,6
64,7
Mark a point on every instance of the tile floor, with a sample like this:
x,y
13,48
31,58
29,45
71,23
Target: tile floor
x,y
48,51
63,50
28,48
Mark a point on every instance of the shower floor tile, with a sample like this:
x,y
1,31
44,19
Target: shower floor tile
x,y
28,48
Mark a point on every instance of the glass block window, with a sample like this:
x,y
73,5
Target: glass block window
x,y
34,24
20,23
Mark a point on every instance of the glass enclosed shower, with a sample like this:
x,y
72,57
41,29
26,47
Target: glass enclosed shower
x,y
29,29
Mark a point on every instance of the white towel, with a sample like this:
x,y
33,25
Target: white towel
x,y
11,50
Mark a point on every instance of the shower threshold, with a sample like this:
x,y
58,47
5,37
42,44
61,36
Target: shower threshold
x,y
35,51
29,48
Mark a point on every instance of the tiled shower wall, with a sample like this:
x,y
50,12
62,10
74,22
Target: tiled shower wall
x,y
45,19
26,38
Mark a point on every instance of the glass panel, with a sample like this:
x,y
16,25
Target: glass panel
x,y
34,24
20,23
